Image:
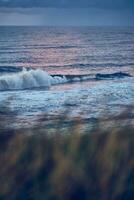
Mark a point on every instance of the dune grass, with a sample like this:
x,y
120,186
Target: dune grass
x,y
76,165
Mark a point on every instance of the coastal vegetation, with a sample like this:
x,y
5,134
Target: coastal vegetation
x,y
70,164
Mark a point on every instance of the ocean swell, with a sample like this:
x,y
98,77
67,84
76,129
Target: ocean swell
x,y
30,79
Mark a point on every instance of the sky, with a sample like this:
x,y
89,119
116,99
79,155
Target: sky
x,y
67,12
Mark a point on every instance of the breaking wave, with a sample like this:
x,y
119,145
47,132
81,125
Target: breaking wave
x,y
29,79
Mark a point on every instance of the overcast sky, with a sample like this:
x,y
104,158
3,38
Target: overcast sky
x,y
67,12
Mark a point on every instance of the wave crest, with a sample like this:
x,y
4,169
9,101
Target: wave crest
x,y
28,80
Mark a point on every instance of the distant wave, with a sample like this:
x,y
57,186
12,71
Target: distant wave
x,y
28,79
112,76
74,78
10,69
93,65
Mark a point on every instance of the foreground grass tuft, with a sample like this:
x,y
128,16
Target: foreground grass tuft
x,y
77,166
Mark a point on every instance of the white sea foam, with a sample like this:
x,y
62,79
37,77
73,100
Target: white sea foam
x,y
29,79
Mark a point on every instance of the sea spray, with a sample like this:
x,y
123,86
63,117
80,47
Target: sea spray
x,y
27,79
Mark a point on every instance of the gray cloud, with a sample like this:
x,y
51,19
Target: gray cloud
x,y
65,17
67,12
104,4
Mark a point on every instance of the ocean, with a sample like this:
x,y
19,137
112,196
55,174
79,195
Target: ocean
x,y
86,71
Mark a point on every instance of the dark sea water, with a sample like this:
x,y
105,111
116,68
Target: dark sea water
x,y
46,70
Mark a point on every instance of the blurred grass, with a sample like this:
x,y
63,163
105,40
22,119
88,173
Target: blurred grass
x,y
78,165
